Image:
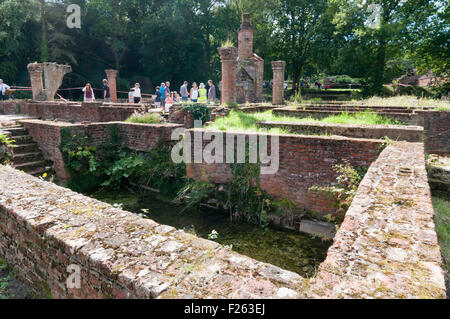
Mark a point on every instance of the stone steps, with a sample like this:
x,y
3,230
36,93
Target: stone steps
x,y
27,156
26,148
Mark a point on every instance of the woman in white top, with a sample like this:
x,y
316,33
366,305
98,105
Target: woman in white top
x,y
137,93
88,93
194,93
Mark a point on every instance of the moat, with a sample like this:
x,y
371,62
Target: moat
x,y
290,250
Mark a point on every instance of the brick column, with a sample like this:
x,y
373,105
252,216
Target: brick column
x,y
228,57
37,86
245,38
112,74
278,68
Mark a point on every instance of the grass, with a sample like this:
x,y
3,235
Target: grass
x,y
404,100
442,222
243,122
148,118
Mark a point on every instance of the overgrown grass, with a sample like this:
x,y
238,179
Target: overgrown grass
x,y
442,222
243,122
404,100
238,121
148,118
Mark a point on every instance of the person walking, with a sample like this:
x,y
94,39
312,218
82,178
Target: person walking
x,y
202,94
106,91
194,93
137,93
184,92
163,95
3,88
89,95
211,92
158,97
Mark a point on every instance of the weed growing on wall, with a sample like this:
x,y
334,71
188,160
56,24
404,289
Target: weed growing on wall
x,y
199,112
112,166
347,183
6,144
243,197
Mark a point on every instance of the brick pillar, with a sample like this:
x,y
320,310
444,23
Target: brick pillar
x,y
112,74
228,56
278,68
37,86
245,38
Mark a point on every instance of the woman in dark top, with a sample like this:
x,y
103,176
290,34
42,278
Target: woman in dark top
x,y
106,91
158,97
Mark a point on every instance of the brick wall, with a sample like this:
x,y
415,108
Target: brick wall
x,y
436,124
139,137
46,229
437,131
394,132
304,162
70,111
387,246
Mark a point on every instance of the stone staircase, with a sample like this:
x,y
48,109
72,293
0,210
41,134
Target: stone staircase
x,y
27,156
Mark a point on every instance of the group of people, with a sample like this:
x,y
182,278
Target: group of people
x,y
197,94
164,97
88,92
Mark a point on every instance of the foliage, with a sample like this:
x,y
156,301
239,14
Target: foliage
x,y
199,112
6,144
125,168
347,183
194,193
441,207
314,37
148,118
110,165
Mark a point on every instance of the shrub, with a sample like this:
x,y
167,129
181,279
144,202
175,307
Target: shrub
x,y
199,112
148,118
5,144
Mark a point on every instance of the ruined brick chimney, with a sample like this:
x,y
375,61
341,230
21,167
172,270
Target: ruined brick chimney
x,y
245,38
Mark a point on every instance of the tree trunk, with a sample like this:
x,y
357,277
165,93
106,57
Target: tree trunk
x,y
44,44
379,67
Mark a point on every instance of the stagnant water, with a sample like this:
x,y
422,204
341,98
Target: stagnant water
x,y
287,249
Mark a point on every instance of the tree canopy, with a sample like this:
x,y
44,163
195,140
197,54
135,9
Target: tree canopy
x,y
177,40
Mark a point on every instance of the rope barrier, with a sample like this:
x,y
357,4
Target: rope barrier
x,y
27,88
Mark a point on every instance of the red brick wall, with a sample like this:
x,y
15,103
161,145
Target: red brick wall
x,y
71,111
140,137
437,132
304,162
